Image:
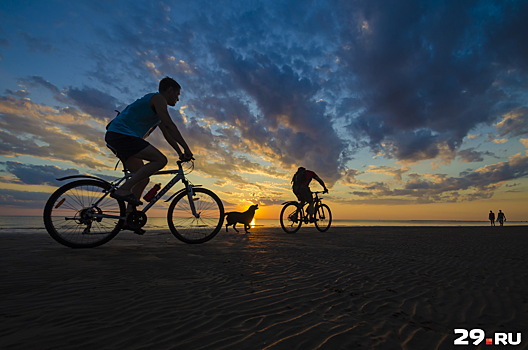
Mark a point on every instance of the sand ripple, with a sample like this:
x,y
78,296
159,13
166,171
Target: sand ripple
x,y
353,288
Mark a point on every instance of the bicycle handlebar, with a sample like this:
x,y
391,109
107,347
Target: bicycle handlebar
x,y
184,161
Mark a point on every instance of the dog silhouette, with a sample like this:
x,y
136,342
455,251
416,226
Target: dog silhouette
x,y
245,218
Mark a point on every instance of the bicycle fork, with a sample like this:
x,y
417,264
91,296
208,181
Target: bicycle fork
x,y
190,197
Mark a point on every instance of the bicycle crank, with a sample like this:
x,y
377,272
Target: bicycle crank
x,y
136,219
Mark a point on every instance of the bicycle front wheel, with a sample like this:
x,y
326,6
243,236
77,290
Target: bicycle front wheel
x,y
323,217
291,218
203,226
72,218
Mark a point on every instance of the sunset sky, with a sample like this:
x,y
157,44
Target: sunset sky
x,y
406,109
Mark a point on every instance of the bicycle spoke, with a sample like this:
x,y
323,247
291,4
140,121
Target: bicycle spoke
x,y
323,218
70,212
291,218
202,227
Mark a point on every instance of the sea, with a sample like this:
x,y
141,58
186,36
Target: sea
x,y
32,224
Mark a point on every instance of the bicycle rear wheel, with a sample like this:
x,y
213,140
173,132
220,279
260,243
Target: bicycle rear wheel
x,y
291,218
69,214
189,228
323,217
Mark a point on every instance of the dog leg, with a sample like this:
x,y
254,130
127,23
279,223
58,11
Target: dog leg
x,y
234,227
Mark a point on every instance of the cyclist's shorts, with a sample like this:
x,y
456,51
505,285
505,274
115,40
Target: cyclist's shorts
x,y
124,146
303,193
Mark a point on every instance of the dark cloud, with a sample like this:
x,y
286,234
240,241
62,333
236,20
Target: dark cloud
x,y
516,167
289,120
427,72
514,123
429,188
17,93
411,78
23,199
37,174
98,104
472,155
36,81
508,33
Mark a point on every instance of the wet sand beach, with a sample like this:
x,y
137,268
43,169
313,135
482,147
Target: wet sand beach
x,y
349,288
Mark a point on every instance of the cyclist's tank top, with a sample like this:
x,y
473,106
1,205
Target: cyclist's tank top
x,y
138,119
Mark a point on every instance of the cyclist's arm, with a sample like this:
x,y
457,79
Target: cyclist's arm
x,y
168,128
321,182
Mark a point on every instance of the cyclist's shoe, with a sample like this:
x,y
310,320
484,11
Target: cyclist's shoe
x,y
309,220
138,231
130,198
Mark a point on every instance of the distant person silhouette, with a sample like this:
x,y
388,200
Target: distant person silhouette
x,y
301,181
491,217
501,217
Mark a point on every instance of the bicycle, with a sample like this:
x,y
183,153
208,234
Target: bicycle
x,y
293,215
82,214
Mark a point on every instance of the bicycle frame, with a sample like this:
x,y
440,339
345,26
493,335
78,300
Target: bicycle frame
x,y
316,203
179,176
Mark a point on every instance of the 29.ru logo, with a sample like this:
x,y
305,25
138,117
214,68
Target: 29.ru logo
x,y
478,335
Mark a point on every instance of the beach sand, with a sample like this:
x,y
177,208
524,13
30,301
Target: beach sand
x,y
349,288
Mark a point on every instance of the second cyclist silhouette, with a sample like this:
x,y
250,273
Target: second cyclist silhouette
x,y
301,188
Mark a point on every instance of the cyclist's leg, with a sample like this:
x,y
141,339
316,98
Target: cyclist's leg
x,y
156,161
307,197
311,211
133,164
299,194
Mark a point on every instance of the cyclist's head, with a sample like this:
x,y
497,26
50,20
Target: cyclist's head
x,y
167,83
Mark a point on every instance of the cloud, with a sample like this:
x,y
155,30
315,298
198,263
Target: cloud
x,y
17,93
500,141
288,120
397,173
23,199
429,188
38,81
424,85
516,167
472,155
269,95
37,174
514,123
97,104
45,132
406,85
